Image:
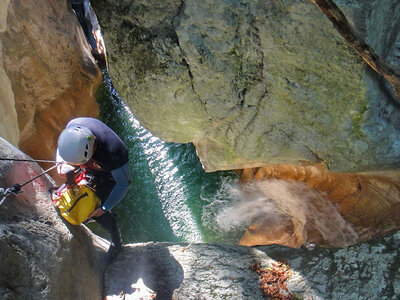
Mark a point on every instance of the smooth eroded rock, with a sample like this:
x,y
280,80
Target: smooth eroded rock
x,y
254,82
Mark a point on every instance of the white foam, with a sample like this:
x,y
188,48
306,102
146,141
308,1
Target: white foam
x,y
235,208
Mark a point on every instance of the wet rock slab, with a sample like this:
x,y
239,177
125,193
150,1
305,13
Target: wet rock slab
x,y
200,271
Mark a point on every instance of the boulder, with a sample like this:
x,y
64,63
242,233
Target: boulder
x,y
200,271
47,73
257,82
42,256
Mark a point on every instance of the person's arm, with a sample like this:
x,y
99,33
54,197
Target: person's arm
x,y
122,177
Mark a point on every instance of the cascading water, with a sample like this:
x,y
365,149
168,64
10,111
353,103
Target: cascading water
x,y
275,202
173,199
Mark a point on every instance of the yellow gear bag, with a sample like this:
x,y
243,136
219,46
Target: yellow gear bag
x,y
76,203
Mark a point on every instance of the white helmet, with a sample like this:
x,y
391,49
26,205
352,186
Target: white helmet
x,y
75,144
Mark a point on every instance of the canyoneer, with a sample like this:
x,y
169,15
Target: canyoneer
x,y
90,152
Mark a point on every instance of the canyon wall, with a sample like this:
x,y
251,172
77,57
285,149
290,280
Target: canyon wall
x,y
254,82
41,255
47,73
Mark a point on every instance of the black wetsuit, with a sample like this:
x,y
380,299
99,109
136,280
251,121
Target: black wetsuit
x,y
110,154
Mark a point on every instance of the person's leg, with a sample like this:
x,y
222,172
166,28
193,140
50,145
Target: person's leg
x,y
109,223
104,185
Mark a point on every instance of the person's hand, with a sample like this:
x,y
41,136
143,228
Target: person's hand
x,y
64,168
97,213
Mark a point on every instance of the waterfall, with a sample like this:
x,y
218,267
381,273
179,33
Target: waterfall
x,y
276,202
169,185
164,201
173,199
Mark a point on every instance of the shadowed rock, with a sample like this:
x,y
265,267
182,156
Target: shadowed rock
x,y
42,257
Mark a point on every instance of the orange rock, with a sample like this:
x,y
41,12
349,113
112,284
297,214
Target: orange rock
x,y
272,231
370,202
53,74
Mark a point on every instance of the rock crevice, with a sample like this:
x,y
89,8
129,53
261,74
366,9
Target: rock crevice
x,y
46,67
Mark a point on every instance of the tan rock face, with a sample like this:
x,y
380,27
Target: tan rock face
x,y
8,115
47,71
368,202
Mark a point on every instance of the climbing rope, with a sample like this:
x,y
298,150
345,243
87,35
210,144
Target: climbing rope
x,y
16,188
29,160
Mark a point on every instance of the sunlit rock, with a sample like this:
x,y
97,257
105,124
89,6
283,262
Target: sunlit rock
x,y
368,202
47,73
257,82
42,257
201,271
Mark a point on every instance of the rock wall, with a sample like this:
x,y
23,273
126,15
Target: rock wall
x,y
198,271
42,257
8,114
47,73
257,82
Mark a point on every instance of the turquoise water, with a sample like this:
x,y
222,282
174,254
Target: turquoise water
x,y
172,198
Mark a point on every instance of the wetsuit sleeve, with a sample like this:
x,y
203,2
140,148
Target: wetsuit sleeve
x,y
122,177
